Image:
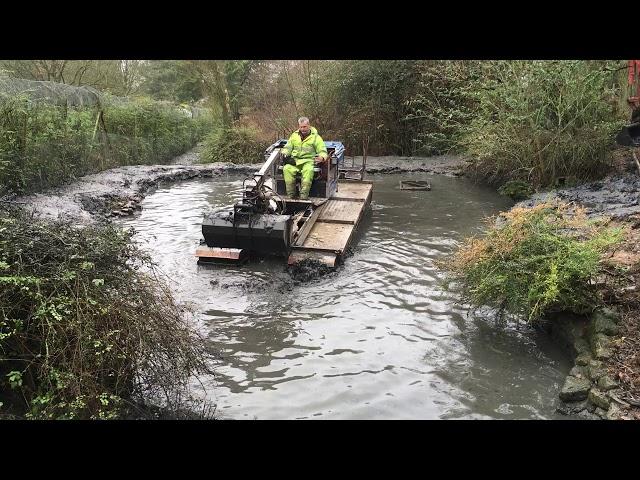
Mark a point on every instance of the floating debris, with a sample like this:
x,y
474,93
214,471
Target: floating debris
x,y
414,185
307,270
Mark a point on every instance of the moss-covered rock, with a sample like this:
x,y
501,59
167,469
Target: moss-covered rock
x,y
600,344
578,371
580,345
601,412
604,324
583,359
606,383
607,312
614,412
587,415
602,353
596,369
575,389
599,399
572,408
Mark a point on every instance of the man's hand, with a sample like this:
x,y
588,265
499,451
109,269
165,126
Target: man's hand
x,y
320,159
287,160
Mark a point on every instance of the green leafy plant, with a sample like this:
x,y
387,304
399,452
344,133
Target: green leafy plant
x,y
43,145
516,190
234,145
87,328
538,121
537,260
15,379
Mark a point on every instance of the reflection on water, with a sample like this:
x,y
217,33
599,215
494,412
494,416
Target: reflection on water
x,y
377,338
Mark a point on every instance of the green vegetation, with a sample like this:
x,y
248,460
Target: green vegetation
x,y
538,121
43,145
172,80
516,190
529,121
538,260
87,328
148,132
443,105
235,145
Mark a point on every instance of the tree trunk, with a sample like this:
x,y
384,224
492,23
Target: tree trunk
x,y
221,94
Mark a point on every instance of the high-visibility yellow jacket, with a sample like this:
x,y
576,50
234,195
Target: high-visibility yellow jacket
x,y
305,150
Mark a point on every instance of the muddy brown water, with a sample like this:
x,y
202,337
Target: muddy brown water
x,y
377,339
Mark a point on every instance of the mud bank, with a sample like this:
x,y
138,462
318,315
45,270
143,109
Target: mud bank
x,y
120,191
442,165
603,382
617,196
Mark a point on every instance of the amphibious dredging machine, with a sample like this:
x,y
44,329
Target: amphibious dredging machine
x,y
268,222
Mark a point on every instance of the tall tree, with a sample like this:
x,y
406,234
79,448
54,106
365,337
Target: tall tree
x,y
131,71
119,77
237,73
213,75
174,80
375,92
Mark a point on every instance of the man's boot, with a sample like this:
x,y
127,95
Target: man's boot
x,y
291,190
304,190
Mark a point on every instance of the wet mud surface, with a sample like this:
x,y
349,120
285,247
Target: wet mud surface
x,y
119,191
617,196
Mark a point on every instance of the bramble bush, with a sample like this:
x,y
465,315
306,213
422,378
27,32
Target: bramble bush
x,y
87,328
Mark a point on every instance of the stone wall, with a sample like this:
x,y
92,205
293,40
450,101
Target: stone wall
x,y
588,391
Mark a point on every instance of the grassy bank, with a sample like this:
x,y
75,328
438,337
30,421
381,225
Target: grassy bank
x,y
544,121
535,261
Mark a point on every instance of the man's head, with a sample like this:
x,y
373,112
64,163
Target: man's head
x,y
303,126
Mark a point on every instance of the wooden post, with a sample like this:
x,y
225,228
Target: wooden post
x,y
105,140
365,148
95,128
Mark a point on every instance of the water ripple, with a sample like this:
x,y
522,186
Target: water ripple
x,y
379,338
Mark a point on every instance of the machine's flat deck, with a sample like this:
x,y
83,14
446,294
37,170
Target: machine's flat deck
x,y
330,233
